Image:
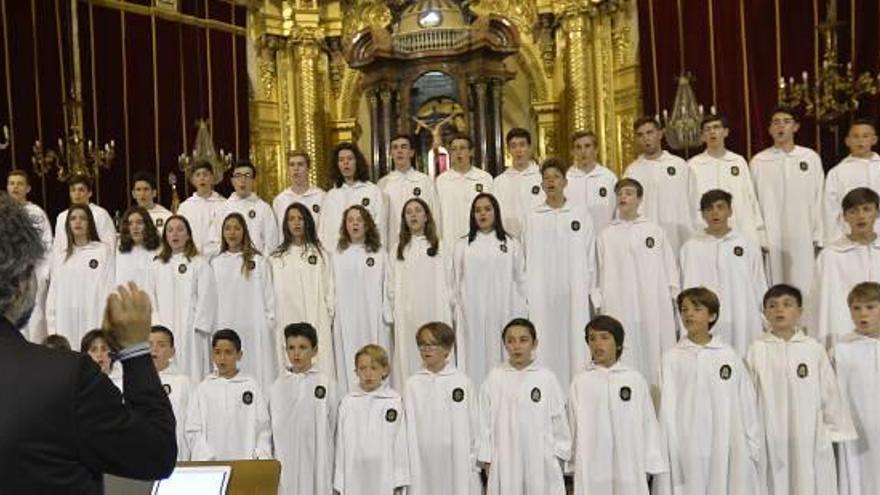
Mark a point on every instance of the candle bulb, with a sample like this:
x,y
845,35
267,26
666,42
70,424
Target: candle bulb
x,y
713,109
804,76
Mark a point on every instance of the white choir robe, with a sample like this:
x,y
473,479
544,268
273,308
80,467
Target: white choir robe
x,y
159,214
178,388
732,267
517,193
312,199
489,290
710,422
443,421
803,413
363,311
36,327
103,224
637,283
839,267
398,187
847,175
247,305
729,173
184,297
261,223
666,182
857,359
202,215
420,292
338,199
302,408
595,190
134,265
616,438
560,271
524,433
455,194
78,291
789,188
228,419
372,453
303,285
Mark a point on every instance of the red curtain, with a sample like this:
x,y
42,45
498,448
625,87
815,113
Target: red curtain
x,y
145,81
735,43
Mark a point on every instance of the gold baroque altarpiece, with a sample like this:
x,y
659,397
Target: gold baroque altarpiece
x,y
577,63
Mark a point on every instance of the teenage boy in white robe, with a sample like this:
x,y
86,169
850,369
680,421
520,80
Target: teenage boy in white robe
x,y
524,435
719,168
518,188
802,409
709,415
559,243
203,208
590,184
617,444
789,181
302,408
456,189
402,184
244,200
143,192
637,282
372,452
300,190
860,169
352,186
852,259
175,382
441,409
858,374
80,190
18,186
667,182
729,265
228,418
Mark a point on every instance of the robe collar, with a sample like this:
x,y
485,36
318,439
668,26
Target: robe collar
x,y
545,208
411,174
799,336
686,343
384,392
472,173
728,156
311,191
356,185
618,221
664,156
844,244
288,371
172,369
533,366
215,196
532,169
575,171
731,234
252,198
797,151
857,337
873,158
447,370
614,368
239,377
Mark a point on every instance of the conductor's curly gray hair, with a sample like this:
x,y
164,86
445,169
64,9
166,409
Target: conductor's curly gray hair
x,y
21,249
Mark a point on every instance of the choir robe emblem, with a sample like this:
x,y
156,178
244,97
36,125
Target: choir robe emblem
x,y
503,247
536,395
738,250
805,166
649,242
575,225
734,170
160,222
391,415
252,214
365,202
93,263
802,370
479,188
247,398
670,171
417,192
167,389
603,192
316,208
371,261
320,392
458,394
625,394
251,265
725,372
181,268
536,189
313,260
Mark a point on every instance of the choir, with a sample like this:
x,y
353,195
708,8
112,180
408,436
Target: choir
x,y
552,321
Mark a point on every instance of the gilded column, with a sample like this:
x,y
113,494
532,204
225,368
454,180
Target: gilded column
x,y
307,133
481,134
266,120
578,77
384,164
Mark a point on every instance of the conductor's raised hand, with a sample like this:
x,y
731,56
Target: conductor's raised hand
x,y
128,316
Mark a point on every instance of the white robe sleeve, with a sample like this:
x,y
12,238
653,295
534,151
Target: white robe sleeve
x,y
329,286
596,291
561,434
654,450
519,277
339,458
486,452
51,309
387,302
269,299
195,430
831,208
206,302
835,410
270,228
263,429
670,264
401,454
752,426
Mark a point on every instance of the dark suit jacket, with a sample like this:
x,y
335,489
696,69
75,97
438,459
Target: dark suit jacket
x,y
63,423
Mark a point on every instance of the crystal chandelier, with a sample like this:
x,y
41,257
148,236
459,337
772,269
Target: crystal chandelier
x,y
837,89
682,128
